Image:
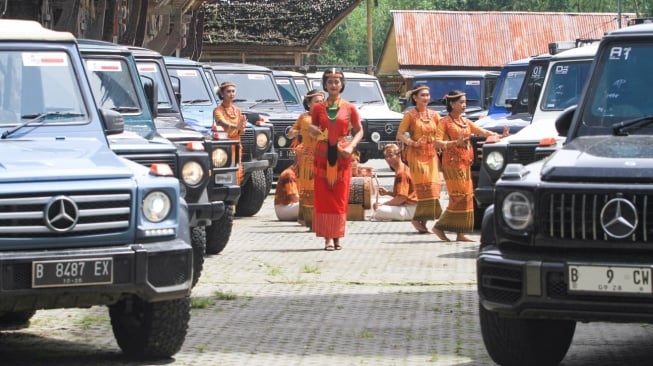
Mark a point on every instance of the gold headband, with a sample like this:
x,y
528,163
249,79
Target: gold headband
x,y
333,73
418,88
390,149
455,96
309,96
226,84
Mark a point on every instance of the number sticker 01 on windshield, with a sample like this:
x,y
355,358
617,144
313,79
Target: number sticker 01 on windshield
x,y
609,279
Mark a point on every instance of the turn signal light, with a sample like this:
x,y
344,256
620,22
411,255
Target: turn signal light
x,y
161,170
548,141
195,146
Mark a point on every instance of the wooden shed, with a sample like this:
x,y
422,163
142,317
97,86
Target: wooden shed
x,y
465,40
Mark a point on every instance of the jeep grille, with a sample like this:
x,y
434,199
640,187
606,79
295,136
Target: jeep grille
x,y
22,216
577,216
389,134
522,153
248,142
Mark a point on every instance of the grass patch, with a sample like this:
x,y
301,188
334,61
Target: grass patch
x,y
310,269
201,302
219,295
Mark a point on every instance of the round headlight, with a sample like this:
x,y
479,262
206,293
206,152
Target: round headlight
x,y
494,160
261,140
219,158
156,206
281,141
375,136
517,210
192,173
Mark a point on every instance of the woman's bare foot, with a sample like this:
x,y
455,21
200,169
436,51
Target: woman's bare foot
x,y
420,226
336,244
440,234
462,237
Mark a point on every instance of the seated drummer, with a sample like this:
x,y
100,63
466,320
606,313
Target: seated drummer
x,y
402,205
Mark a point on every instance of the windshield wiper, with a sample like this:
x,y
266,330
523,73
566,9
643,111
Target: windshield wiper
x,y
372,101
622,128
36,117
261,101
195,101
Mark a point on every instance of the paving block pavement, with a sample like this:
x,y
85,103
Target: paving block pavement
x,y
275,297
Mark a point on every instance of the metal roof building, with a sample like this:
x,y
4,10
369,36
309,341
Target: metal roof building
x,y
446,40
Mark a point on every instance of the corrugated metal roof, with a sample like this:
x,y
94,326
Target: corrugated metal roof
x,y
488,39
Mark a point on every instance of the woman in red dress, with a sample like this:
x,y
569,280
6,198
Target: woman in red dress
x,y
332,122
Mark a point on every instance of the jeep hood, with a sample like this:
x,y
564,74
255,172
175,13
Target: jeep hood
x,y
370,111
602,159
175,129
53,159
128,142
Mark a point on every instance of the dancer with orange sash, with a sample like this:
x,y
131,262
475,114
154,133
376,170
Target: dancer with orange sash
x,y
417,132
305,151
454,138
332,122
229,117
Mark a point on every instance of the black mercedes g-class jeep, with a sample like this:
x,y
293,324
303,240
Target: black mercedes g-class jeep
x,y
568,238
197,88
80,226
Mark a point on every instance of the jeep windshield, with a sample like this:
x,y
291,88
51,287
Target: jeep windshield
x,y
39,84
565,84
252,89
509,89
621,93
113,87
363,92
440,86
152,70
193,89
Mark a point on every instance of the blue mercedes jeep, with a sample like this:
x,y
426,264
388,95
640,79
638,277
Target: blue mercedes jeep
x,y
79,225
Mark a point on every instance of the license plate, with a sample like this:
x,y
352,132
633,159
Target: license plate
x,y
224,179
609,279
72,272
286,153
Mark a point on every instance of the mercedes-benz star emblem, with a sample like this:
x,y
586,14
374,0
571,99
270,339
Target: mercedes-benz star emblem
x,y
287,131
388,128
61,214
619,218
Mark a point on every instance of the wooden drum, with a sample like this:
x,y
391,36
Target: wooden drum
x,y
360,191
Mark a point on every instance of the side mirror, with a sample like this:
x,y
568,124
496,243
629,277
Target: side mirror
x,y
113,122
151,94
534,91
176,88
563,122
510,105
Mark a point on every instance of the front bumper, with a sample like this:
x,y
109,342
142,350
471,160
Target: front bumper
x,y
250,166
535,286
153,272
227,193
203,213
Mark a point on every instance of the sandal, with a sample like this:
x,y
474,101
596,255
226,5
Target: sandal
x,y
336,244
328,245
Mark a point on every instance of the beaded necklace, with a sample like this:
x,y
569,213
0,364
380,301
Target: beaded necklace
x,y
231,112
332,110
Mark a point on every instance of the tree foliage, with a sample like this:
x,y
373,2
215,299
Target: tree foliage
x,y
347,45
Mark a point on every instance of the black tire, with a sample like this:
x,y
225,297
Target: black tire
x,y
217,235
252,195
269,178
518,342
16,319
152,330
198,242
